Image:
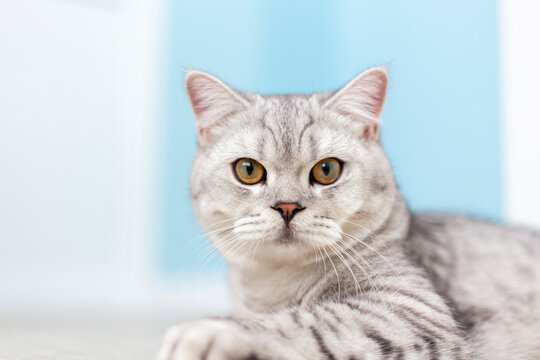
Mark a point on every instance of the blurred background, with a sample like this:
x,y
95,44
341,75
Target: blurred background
x,y
97,137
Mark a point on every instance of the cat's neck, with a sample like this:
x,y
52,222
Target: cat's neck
x,y
264,288
270,287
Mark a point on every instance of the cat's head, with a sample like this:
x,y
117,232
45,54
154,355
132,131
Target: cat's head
x,y
288,178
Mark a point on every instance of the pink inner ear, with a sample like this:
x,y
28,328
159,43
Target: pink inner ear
x,y
362,97
198,107
209,97
196,88
212,101
378,96
372,92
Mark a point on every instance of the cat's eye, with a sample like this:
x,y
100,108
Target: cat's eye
x,y
326,171
249,171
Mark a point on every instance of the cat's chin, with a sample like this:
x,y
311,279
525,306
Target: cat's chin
x,y
287,237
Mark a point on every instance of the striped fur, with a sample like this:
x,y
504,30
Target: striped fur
x,y
357,276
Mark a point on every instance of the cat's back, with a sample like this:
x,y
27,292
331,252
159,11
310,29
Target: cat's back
x,y
489,273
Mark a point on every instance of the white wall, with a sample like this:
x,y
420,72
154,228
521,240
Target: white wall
x,y
520,55
78,90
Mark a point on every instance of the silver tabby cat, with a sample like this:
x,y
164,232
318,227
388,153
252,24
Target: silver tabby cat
x,y
326,260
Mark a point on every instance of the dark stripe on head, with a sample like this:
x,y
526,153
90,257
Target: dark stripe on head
x,y
314,146
266,127
260,148
322,346
307,125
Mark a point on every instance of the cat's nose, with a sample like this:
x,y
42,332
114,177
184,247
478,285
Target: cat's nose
x,y
287,210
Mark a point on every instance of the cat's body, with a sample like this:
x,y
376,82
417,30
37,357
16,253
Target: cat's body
x,y
489,275
326,260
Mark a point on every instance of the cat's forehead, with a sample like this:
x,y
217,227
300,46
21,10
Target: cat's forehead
x,y
288,111
285,132
286,123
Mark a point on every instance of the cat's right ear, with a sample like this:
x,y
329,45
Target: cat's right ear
x,y
362,99
212,102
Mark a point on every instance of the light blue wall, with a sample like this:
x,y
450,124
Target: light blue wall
x,y
441,125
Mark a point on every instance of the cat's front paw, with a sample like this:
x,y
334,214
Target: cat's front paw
x,y
209,339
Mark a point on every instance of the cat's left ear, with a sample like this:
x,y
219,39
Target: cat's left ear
x,y
362,99
212,102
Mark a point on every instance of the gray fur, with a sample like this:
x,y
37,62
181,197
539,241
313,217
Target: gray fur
x,y
360,277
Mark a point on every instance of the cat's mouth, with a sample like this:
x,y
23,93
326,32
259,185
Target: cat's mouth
x,y
287,235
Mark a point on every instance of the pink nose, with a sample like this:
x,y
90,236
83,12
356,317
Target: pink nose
x,y
287,210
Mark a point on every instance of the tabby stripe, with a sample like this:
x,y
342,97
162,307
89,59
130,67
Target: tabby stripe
x,y
331,311
264,126
407,294
325,321
283,335
296,318
310,123
384,344
252,357
322,346
364,311
459,352
432,346
394,307
421,328
423,317
251,326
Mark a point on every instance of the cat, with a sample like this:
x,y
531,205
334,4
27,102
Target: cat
x,y
326,260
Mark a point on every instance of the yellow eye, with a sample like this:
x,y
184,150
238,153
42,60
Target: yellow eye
x,y
249,171
326,171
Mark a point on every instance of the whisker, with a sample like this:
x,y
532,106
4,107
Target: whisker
x,y
217,249
318,249
210,233
394,268
366,274
335,270
331,246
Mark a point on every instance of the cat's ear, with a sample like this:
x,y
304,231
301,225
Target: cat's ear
x,y
362,99
212,101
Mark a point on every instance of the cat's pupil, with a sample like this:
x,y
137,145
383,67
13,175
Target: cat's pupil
x,y
249,168
326,168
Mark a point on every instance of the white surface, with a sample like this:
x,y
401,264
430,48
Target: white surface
x,y
96,337
520,56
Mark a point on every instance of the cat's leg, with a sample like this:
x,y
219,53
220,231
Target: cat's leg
x,y
401,327
224,338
